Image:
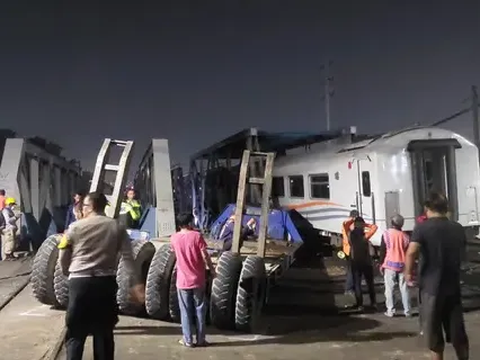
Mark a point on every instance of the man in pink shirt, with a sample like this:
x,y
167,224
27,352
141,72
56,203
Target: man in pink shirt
x,y
2,199
191,252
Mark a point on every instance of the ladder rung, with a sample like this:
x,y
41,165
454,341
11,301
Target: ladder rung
x,y
258,153
111,167
120,142
255,180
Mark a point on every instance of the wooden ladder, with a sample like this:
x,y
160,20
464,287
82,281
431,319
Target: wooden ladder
x,y
121,170
266,183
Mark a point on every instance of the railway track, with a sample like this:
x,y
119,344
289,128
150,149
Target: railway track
x,y
29,330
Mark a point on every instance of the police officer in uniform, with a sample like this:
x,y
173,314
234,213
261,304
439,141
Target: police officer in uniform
x,y
88,255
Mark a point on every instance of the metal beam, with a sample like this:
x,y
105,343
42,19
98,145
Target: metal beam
x,y
163,188
42,184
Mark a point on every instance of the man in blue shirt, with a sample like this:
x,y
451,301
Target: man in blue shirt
x,y
77,198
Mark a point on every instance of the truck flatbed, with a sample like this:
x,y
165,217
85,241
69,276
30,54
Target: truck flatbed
x,y
278,254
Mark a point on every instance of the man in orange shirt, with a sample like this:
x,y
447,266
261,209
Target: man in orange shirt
x,y
349,287
360,260
349,284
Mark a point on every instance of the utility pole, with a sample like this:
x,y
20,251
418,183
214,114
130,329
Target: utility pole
x,y
329,92
476,120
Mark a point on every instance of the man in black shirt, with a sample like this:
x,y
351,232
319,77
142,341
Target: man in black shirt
x,y
360,260
440,242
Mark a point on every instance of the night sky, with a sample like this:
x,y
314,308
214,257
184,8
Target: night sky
x,y
197,71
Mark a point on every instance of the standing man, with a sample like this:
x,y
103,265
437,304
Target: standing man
x,y
89,251
440,242
191,252
2,198
393,251
349,285
360,259
10,231
135,209
77,199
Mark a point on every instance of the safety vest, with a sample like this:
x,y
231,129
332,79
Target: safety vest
x,y
134,209
396,243
129,207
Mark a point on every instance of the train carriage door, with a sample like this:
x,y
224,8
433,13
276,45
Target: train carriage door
x,y
433,168
365,196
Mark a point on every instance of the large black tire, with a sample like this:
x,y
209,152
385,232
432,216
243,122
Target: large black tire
x,y
43,270
143,252
224,291
159,277
208,294
60,286
250,294
173,305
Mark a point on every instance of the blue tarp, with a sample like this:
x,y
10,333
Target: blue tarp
x,y
280,225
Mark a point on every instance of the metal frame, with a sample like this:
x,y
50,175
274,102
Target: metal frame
x,y
121,169
266,182
227,154
154,184
41,181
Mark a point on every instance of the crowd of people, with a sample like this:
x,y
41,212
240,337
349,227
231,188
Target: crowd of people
x,y
429,259
92,243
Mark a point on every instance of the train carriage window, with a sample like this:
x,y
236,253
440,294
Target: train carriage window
x,y
278,186
366,187
320,186
296,186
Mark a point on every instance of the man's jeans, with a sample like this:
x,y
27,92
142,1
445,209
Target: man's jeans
x,y
193,309
391,277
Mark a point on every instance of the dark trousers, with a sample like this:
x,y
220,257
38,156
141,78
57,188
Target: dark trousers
x,y
349,284
92,310
363,270
442,321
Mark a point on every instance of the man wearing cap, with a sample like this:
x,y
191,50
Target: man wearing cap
x,y
393,250
10,230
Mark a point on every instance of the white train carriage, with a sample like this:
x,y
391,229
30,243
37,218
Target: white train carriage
x,y
379,177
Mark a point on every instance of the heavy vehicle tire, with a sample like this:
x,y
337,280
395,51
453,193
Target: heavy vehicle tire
x,y
224,291
157,292
208,294
43,270
60,286
250,293
143,252
173,305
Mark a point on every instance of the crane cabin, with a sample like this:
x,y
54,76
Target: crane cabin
x,y
380,176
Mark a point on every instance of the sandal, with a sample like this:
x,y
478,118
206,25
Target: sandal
x,y
182,342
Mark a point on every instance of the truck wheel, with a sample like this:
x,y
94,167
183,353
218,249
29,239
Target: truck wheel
x,y
173,306
157,291
208,294
224,291
250,294
143,252
43,270
60,286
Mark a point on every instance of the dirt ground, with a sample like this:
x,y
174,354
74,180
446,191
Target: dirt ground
x,y
305,319
294,336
